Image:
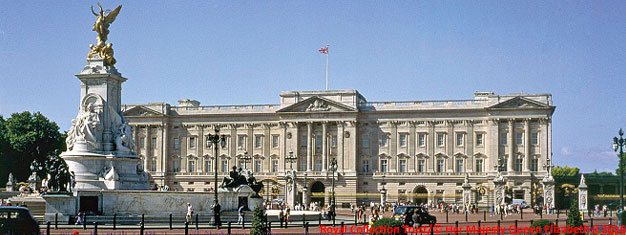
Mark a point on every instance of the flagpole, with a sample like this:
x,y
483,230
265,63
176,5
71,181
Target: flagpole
x,y
328,52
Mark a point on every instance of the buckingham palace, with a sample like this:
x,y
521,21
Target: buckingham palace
x,y
418,151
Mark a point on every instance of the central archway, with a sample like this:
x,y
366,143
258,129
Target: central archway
x,y
318,193
420,195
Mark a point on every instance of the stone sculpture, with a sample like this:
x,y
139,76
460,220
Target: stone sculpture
x,y
317,105
123,140
85,128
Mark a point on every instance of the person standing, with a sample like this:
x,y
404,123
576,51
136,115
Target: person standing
x,y
241,215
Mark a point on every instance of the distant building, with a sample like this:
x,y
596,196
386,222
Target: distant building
x,y
420,150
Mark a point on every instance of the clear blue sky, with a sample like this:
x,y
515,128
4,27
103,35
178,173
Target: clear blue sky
x,y
242,52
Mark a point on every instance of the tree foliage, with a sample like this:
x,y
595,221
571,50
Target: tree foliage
x,y
259,222
26,138
388,223
573,216
565,171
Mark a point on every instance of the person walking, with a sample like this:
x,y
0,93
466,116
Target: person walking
x,y
189,213
241,215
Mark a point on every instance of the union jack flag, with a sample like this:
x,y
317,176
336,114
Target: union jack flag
x,y
323,50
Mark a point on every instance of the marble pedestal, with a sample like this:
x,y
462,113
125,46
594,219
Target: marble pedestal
x,y
109,172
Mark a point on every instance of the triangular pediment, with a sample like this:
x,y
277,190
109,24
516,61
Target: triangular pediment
x,y
317,104
141,111
519,103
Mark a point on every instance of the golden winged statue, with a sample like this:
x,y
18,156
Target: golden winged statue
x,y
101,26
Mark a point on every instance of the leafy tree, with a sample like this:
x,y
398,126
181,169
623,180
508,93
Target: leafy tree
x,y
28,137
623,167
565,171
573,217
601,174
259,222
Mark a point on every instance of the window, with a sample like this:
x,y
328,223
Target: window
x,y
459,165
303,165
403,139
534,164
257,165
366,166
384,139
519,138
142,142
383,165
479,139
176,143
318,164
402,165
440,165
365,141
224,166
258,141
440,140
241,142
154,143
333,141
176,165
503,138
421,165
518,163
208,167
459,139
479,165
421,140
241,164
303,141
503,163
192,142
153,164
275,141
534,138
192,166
225,142
274,165
318,141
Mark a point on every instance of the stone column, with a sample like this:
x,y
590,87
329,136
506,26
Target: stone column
x,y
411,143
283,149
431,143
383,196
582,194
467,191
548,191
340,148
324,148
510,161
527,145
164,150
499,191
309,156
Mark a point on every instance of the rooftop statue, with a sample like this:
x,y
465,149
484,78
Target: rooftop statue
x,y
101,26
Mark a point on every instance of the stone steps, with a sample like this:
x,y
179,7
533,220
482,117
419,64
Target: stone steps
x,y
35,203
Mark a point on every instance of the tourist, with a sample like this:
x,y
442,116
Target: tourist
x,y
79,219
241,215
189,213
287,215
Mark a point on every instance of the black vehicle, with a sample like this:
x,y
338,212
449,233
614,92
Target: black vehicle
x,y
17,220
411,215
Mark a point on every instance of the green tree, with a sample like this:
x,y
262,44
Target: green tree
x,y
388,223
623,167
30,137
565,171
573,217
259,222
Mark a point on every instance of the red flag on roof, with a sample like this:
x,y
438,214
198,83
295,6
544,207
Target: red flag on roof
x,y
323,50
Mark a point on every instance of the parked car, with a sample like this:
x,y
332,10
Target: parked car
x,y
520,202
17,220
411,215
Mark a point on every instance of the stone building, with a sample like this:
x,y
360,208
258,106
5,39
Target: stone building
x,y
417,150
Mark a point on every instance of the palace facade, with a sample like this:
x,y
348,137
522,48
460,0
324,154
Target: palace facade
x,y
417,151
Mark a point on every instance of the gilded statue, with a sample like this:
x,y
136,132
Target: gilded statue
x,y
101,26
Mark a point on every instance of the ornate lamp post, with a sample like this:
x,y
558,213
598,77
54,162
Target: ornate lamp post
x,y
333,168
214,139
305,193
618,143
246,158
383,192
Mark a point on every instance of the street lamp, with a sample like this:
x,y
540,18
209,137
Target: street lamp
x,y
618,143
333,168
214,139
246,158
305,193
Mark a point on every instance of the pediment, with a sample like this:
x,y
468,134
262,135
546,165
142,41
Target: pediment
x,y
141,111
317,104
519,103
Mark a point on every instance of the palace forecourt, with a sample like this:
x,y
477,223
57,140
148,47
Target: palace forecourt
x,y
418,151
